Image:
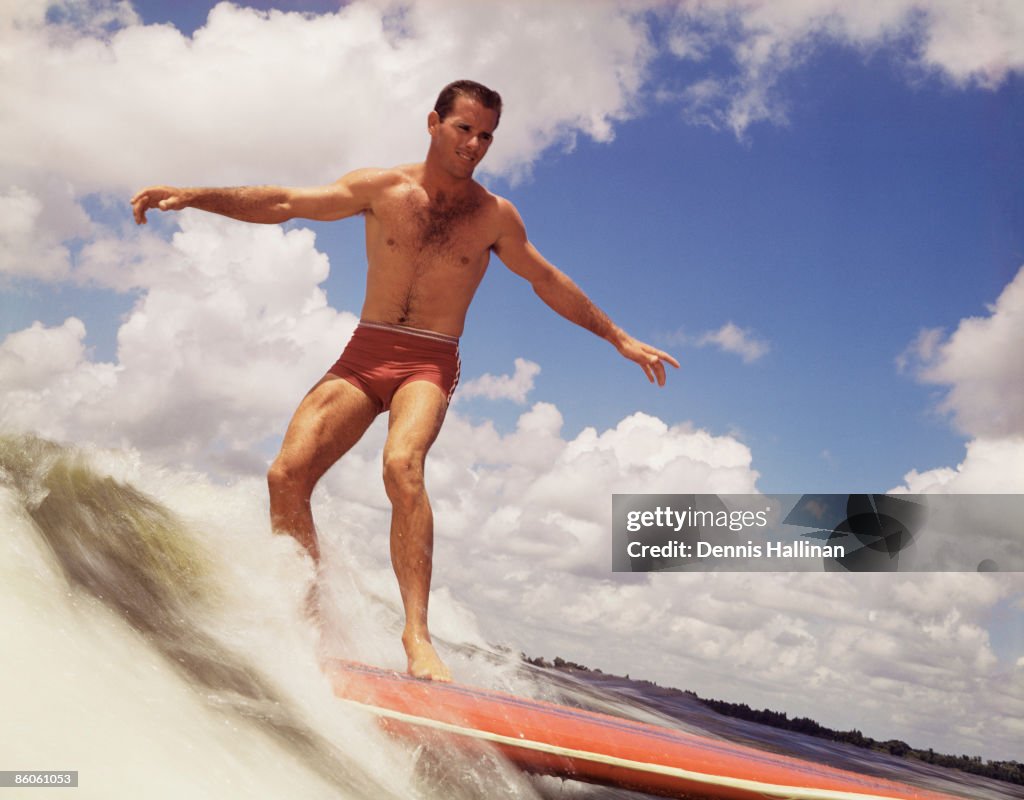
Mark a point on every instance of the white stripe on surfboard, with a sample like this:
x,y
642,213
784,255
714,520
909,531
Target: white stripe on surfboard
x,y
769,789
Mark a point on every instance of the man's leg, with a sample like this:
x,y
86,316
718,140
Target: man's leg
x,y
417,411
330,419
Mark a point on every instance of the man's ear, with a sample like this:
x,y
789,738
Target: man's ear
x,y
433,120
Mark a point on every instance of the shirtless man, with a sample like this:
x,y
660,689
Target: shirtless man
x,y
430,231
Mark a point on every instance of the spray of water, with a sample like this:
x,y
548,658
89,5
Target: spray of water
x,y
167,655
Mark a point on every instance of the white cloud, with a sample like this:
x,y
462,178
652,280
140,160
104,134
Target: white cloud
x,y
36,221
99,102
231,325
920,351
980,364
733,339
513,387
30,358
125,104
96,102
532,493
968,44
990,466
730,338
974,42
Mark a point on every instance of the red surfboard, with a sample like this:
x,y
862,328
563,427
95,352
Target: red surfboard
x,y
587,746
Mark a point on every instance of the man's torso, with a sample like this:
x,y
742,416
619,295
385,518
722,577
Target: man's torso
x,y
426,254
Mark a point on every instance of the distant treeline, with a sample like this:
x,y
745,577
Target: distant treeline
x,y
1007,771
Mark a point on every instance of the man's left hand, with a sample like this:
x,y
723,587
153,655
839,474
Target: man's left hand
x,y
651,359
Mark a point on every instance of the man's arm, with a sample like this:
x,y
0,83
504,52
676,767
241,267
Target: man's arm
x,y
346,197
558,290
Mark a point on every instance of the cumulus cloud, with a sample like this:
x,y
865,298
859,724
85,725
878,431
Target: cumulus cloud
x,y
30,358
990,466
967,44
730,338
225,306
37,218
94,101
534,494
99,102
980,365
513,387
733,339
127,104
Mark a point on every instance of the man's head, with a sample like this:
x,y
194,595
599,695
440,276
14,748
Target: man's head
x,y
488,98
462,127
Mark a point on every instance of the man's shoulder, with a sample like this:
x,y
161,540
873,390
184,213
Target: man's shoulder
x,y
507,213
498,204
408,172
381,177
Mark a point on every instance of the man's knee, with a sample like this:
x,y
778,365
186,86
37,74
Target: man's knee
x,y
287,476
403,475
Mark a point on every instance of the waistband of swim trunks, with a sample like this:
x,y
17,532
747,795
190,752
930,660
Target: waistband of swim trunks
x,y
424,334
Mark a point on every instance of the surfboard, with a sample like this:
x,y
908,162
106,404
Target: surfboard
x,y
547,738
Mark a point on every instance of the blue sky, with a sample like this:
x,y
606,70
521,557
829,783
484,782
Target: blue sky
x,y
835,239
818,208
886,203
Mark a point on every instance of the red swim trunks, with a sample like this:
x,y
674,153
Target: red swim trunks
x,y
379,359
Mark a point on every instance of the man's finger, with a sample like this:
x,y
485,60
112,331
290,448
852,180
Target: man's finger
x,y
659,370
661,354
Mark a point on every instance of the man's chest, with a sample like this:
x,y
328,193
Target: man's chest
x,y
413,223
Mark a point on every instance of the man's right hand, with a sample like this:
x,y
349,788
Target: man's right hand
x,y
165,198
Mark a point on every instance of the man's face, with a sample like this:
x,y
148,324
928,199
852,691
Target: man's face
x,y
461,139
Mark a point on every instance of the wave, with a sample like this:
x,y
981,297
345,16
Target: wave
x,y
161,660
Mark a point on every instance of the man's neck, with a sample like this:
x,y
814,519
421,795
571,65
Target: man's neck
x,y
435,180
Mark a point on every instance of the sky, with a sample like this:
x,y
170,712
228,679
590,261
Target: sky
x,y
818,207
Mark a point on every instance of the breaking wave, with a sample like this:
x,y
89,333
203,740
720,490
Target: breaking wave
x,y
167,654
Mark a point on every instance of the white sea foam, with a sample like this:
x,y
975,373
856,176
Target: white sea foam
x,y
137,708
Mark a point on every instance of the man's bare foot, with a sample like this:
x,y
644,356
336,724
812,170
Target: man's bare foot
x,y
423,659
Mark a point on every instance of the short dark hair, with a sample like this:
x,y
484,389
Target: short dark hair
x,y
488,98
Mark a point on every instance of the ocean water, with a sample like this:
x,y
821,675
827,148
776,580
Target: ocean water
x,y
621,696
156,640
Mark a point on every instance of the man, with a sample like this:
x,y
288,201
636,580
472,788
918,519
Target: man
x,y
430,230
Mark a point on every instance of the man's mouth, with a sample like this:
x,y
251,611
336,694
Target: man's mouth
x,y
464,156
